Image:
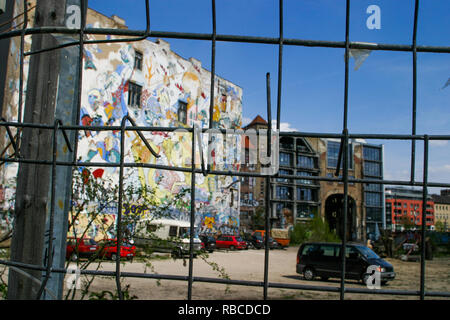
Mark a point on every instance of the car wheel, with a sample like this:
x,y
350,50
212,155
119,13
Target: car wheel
x,y
176,253
74,257
232,248
309,274
113,256
365,278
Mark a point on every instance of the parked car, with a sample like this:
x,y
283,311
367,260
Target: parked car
x,y
273,244
247,238
81,248
209,242
254,241
230,242
258,241
324,260
185,238
280,236
108,249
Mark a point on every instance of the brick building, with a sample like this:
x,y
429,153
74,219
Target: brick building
x,y
405,207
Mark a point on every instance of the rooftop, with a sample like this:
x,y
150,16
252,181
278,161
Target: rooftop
x,y
440,199
258,120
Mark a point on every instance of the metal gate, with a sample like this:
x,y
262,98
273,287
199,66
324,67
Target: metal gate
x,y
213,37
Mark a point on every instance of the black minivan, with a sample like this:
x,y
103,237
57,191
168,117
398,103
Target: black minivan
x,y
323,259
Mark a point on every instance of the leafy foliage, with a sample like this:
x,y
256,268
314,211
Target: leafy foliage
x,y
316,229
259,218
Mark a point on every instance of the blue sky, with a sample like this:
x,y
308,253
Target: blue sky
x,y
380,91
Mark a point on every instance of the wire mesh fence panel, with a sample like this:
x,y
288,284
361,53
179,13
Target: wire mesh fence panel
x,y
58,60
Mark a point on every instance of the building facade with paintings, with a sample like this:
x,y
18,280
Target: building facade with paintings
x,y
156,87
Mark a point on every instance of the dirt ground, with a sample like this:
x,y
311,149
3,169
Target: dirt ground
x,y
249,265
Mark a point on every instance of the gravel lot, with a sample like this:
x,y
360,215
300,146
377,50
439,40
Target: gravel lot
x,y
249,265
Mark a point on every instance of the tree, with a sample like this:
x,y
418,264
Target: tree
x,y
93,195
259,218
316,229
405,222
440,226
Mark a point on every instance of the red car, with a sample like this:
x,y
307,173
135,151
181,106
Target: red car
x,y
80,248
108,249
230,242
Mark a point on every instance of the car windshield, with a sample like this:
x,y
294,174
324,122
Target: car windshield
x,y
239,239
368,253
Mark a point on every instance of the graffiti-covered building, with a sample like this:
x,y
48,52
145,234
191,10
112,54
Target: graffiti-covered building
x,y
156,87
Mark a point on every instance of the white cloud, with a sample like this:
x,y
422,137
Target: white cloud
x,y
395,174
439,143
284,126
445,169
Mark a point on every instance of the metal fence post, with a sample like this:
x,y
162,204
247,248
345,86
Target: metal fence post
x,y
33,182
67,111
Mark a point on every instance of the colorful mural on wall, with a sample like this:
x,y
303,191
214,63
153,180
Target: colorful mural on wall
x,y
161,90
8,170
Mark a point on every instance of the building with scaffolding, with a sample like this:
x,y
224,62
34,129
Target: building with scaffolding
x,y
300,197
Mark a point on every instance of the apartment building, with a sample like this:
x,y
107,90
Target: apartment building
x,y
405,206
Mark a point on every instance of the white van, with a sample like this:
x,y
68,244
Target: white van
x,y
166,235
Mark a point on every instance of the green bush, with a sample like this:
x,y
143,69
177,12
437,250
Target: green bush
x,y
315,229
299,234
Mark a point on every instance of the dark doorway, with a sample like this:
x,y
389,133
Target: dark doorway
x,y
333,214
